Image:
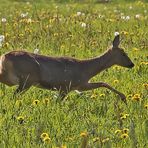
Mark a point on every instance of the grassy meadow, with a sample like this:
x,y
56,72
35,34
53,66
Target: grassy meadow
x,y
92,119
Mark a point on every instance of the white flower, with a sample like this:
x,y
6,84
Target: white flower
x,y
29,20
127,18
137,16
36,51
79,13
116,33
83,25
4,20
2,37
130,7
24,14
123,17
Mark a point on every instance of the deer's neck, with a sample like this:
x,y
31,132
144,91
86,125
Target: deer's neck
x,y
98,64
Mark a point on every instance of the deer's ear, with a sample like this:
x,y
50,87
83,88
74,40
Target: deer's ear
x,y
116,41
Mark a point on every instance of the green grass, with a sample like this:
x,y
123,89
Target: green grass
x,y
55,29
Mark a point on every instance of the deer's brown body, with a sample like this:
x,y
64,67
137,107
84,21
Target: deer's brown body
x,y
59,73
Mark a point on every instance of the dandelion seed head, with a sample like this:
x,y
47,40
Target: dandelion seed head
x,y
2,38
116,33
4,20
83,25
79,13
36,51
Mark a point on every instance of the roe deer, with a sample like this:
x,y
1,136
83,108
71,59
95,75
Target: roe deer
x,y
59,73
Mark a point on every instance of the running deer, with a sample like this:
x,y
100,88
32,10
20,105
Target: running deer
x,y
59,73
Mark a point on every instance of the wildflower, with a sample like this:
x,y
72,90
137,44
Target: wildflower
x,y
46,101
124,116
116,81
36,51
36,102
29,20
118,131
127,18
84,134
124,33
18,103
102,95
83,25
136,97
130,7
137,16
2,37
93,96
145,85
43,135
116,33
63,146
129,96
4,20
135,49
46,140
79,13
20,119
23,15
105,140
124,136
96,139
125,130
117,67
146,106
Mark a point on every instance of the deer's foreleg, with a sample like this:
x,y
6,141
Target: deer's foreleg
x,y
23,86
90,86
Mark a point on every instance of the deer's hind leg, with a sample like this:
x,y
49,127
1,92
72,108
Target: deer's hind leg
x,y
90,86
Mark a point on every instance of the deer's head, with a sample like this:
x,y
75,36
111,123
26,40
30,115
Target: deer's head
x,y
119,55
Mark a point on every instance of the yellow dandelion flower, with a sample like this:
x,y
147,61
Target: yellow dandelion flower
x,y
46,140
102,95
116,81
36,102
124,136
135,49
118,131
136,97
84,134
105,140
129,96
124,33
125,130
146,106
143,63
46,101
43,135
63,146
18,103
123,117
93,96
96,139
145,85
20,119
117,67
